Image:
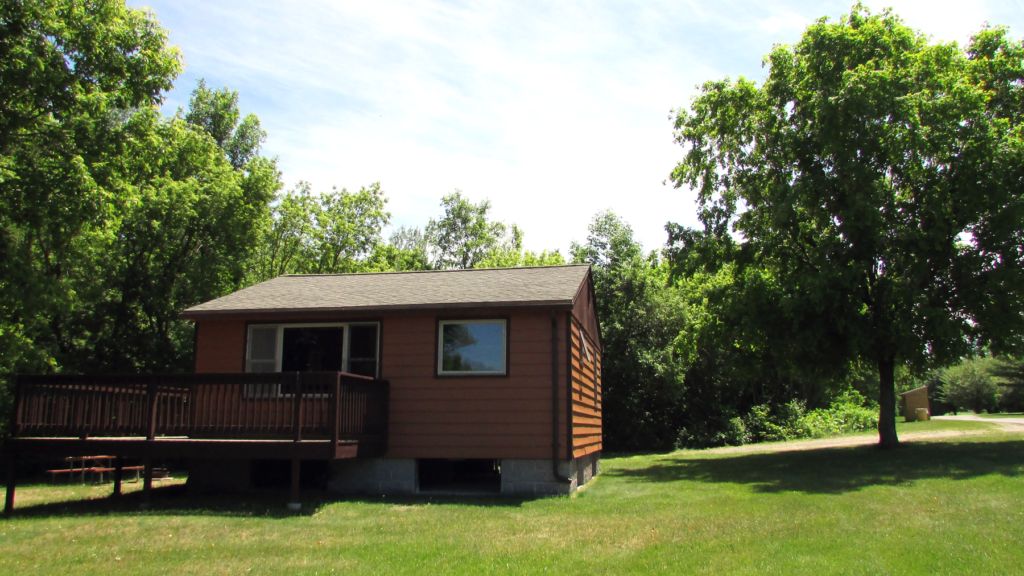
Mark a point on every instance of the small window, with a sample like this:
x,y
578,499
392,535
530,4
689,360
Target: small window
x,y
362,352
471,347
583,343
262,349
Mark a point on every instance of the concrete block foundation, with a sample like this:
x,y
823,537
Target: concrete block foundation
x,y
377,476
535,477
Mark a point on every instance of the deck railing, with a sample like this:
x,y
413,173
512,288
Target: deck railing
x,y
288,405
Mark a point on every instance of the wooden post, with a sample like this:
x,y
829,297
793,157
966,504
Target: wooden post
x,y
118,475
147,483
297,406
12,464
335,421
294,504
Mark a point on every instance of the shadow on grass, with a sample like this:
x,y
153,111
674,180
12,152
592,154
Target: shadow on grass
x,y
839,470
176,501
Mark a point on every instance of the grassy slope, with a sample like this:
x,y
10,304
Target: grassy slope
x,y
951,506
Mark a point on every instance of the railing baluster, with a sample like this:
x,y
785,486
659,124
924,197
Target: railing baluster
x,y
321,406
297,402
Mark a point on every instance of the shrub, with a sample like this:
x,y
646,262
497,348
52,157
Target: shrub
x,y
762,426
714,433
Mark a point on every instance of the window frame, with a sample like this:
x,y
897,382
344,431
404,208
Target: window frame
x,y
439,350
279,345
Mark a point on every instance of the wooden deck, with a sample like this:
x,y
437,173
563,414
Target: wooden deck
x,y
294,416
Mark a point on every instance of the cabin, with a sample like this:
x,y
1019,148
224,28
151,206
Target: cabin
x,y
455,381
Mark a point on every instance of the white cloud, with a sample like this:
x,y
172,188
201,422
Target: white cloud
x,y
552,110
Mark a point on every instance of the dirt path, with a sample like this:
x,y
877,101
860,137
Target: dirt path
x,y
1011,424
846,441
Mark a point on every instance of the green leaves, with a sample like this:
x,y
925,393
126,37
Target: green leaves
x,y
872,175
464,236
330,233
70,73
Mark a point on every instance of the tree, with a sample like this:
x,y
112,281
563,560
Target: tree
x,y
187,227
641,316
464,237
71,73
330,233
969,386
216,112
407,249
874,187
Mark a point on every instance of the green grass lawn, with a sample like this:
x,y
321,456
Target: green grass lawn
x,y
1002,415
946,506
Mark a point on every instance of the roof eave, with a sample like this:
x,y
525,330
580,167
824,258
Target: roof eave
x,y
192,314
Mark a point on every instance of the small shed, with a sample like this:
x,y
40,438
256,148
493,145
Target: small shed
x,y
914,399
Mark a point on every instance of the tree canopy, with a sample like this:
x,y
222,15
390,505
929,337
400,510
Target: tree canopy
x,y
869,193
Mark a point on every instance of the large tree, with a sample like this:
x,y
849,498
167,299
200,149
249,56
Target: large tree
x,y
71,73
874,185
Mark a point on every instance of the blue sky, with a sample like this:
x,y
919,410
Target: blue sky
x,y
552,110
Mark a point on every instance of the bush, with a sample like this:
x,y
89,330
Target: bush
x,y
762,426
730,432
847,414
790,421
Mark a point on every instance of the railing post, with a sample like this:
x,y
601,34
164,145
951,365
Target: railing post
x,y
118,476
297,405
151,391
147,482
335,420
12,464
295,503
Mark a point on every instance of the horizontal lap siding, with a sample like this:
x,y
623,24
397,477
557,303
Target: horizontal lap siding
x,y
585,312
456,417
220,346
453,417
586,393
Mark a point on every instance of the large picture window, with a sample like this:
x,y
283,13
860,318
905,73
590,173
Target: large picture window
x,y
350,347
468,347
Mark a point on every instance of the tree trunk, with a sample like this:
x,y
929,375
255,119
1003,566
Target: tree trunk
x,y
887,402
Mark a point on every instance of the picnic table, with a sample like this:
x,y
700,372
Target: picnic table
x,y
88,464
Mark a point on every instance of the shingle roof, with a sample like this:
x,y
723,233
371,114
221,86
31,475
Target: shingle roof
x,y
488,287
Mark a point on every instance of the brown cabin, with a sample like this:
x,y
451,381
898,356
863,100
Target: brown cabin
x,y
408,382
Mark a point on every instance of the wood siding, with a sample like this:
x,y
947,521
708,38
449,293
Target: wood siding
x,y
445,417
586,392
585,312
471,417
220,346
